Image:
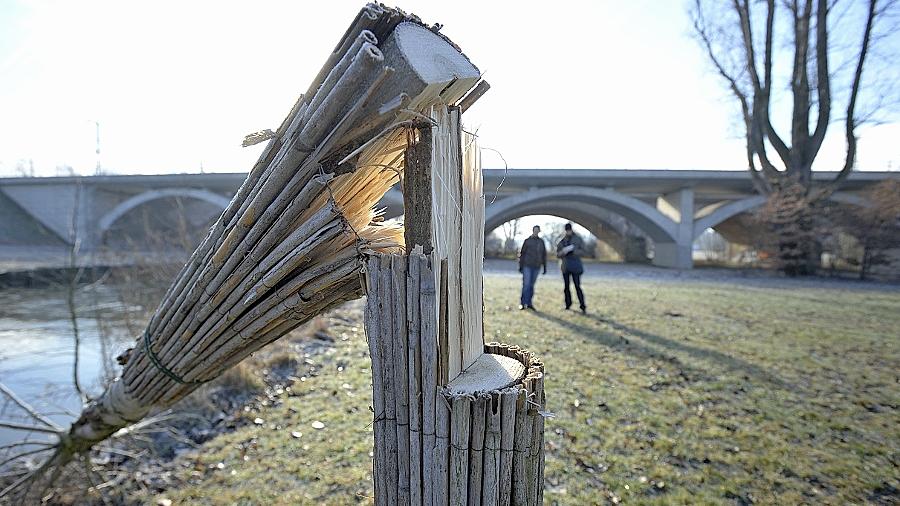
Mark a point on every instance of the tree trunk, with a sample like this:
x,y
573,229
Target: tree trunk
x,y
866,261
456,421
475,440
789,214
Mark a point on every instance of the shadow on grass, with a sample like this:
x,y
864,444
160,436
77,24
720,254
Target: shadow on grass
x,y
715,358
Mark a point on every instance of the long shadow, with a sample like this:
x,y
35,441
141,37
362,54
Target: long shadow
x,y
643,351
631,347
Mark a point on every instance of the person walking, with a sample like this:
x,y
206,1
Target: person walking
x,y
532,257
569,251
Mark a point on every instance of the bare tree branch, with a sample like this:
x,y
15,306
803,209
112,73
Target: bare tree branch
x,y
75,239
800,90
749,111
16,484
742,8
22,426
850,121
26,443
814,77
823,80
21,455
28,408
20,472
764,97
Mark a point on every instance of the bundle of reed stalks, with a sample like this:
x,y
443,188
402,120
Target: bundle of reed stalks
x,y
477,439
291,243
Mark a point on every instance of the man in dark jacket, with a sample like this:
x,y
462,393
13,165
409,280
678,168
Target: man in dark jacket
x,y
532,257
570,250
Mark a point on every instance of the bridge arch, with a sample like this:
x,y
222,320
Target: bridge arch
x,y
604,225
659,227
720,213
108,219
726,211
589,216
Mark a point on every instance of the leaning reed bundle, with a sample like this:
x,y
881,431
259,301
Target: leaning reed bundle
x,y
290,244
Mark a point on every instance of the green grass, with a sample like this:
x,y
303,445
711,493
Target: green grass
x,y
665,393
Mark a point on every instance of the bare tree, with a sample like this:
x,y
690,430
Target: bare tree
x,y
493,245
510,231
25,168
713,246
832,43
553,232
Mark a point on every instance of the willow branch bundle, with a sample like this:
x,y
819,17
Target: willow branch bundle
x,y
292,241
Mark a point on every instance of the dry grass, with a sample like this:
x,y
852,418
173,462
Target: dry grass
x,y
666,393
243,377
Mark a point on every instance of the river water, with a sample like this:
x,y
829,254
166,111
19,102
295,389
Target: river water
x,y
37,347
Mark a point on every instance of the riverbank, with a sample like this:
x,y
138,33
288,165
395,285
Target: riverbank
x,y
765,278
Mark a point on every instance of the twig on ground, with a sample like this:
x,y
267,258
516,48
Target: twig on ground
x,y
90,478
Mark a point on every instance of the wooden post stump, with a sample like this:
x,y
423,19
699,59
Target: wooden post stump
x,y
475,440
457,421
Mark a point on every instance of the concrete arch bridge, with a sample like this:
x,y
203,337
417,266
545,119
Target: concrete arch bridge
x,y
45,217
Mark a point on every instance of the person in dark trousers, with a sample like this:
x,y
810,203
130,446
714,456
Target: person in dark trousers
x,y
532,257
570,250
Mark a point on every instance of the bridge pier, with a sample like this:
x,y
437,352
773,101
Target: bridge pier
x,y
679,207
672,255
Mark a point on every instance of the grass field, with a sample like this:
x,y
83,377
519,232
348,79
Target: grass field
x,y
665,393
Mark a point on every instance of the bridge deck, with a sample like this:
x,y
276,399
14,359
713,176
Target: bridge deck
x,y
670,206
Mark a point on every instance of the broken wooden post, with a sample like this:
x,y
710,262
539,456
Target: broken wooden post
x,y
457,421
292,241
291,244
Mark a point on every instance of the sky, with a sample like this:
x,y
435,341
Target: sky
x,y
175,85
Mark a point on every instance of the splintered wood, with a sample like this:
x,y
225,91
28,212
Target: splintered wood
x,y
456,421
458,240
291,243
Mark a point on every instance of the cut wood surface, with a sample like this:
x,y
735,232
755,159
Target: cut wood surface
x,y
488,372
